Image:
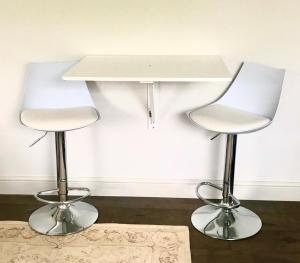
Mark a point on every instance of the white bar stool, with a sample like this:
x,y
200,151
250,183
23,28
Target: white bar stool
x,y
247,106
54,105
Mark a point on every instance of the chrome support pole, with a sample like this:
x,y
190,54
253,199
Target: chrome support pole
x,y
229,168
62,180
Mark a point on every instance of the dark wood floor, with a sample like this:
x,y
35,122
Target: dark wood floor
x,y
278,241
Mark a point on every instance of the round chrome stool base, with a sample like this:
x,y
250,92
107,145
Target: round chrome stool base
x,y
226,224
63,219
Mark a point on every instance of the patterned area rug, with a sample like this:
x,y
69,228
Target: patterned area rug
x,y
101,243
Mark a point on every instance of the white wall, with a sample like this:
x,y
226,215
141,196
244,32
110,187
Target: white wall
x,y
119,155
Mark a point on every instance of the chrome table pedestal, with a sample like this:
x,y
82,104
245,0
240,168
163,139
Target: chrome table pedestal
x,y
65,216
227,220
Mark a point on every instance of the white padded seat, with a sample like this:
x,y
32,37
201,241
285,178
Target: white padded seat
x,y
225,119
52,104
248,105
59,119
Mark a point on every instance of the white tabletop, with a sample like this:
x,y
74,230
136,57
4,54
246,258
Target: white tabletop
x,y
149,68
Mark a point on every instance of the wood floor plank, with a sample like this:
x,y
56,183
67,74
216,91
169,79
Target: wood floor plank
x,y
278,241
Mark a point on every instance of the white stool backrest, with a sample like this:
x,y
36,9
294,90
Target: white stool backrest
x,y
255,89
53,104
45,88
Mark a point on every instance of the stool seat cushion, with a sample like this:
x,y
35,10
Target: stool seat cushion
x,y
59,119
53,104
225,119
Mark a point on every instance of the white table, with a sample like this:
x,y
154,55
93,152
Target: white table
x,y
151,70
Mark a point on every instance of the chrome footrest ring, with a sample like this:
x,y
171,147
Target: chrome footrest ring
x,y
235,202
38,196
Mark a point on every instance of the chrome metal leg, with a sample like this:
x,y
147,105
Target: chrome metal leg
x,y
229,168
62,180
65,216
227,220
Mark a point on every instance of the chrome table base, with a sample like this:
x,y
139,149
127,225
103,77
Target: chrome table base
x,y
226,224
62,219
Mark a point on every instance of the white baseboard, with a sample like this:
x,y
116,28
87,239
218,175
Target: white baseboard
x,y
254,190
